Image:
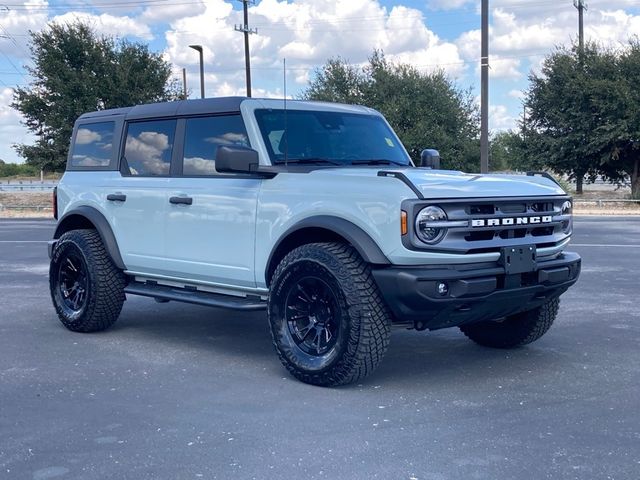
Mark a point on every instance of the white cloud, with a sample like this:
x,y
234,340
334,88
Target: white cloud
x,y
306,33
106,24
15,24
169,12
503,68
11,129
86,136
447,4
500,119
516,94
508,68
147,152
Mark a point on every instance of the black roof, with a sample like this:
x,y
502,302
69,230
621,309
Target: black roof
x,y
167,109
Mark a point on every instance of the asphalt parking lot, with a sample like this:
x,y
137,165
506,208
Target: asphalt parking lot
x,y
176,391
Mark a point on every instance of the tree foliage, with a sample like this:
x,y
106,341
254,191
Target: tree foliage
x,y
508,152
17,169
76,71
584,113
425,110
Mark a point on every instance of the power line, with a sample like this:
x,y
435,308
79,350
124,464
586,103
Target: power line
x,y
425,65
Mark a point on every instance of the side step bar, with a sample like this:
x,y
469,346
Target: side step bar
x,y
194,296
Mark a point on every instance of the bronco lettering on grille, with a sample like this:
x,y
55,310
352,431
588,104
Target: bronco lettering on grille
x,y
507,222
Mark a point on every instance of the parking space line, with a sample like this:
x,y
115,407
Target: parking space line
x,y
23,241
602,245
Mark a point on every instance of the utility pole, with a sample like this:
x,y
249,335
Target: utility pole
x,y
247,31
484,90
580,5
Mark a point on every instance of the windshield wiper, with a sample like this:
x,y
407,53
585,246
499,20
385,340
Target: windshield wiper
x,y
312,161
378,162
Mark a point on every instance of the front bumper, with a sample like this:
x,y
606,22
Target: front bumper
x,y
475,292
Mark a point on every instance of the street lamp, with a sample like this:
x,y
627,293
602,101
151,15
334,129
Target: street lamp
x,y
198,48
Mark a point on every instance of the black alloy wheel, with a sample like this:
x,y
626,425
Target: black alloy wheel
x,y
73,282
313,315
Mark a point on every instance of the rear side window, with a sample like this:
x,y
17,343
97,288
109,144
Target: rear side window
x,y
203,136
149,147
93,146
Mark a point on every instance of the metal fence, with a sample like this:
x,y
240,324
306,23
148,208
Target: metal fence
x,y
27,186
601,202
19,208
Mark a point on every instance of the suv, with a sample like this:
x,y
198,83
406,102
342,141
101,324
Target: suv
x,y
311,211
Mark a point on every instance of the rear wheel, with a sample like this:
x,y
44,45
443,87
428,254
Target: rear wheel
x,y
515,330
86,287
328,321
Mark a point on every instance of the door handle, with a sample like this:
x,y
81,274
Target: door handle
x,y
117,197
181,200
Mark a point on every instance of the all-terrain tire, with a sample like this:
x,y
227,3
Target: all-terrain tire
x,y
515,331
364,320
92,300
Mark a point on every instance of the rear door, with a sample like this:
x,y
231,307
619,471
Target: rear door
x,y
137,201
210,233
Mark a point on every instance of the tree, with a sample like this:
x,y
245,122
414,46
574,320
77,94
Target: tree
x,y
584,114
507,152
425,110
77,71
559,121
616,104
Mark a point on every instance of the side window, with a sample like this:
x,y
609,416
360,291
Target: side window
x,y
149,147
202,138
93,146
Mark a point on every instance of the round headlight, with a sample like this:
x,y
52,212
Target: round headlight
x,y
427,228
567,225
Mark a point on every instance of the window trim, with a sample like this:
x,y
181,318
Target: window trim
x,y
125,169
115,141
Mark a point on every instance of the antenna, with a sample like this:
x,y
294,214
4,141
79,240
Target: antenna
x,y
285,134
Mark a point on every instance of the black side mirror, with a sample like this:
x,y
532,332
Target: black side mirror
x,y
430,159
234,159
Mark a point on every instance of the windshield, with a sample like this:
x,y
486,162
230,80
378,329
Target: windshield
x,y
329,137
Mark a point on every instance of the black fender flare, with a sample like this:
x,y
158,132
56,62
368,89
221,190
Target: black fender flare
x,y
101,225
358,238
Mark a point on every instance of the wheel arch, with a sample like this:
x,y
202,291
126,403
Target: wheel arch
x,y
324,229
88,217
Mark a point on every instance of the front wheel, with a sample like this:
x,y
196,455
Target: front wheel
x,y
86,287
328,321
516,330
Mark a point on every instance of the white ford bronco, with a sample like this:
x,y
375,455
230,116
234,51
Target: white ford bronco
x,y
311,211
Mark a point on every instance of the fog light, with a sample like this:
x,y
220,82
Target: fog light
x,y
443,288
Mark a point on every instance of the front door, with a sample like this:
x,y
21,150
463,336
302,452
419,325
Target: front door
x,y
210,224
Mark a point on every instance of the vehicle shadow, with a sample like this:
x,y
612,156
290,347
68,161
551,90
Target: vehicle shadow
x,y
197,327
413,360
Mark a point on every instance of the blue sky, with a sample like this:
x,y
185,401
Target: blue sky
x,y
430,34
